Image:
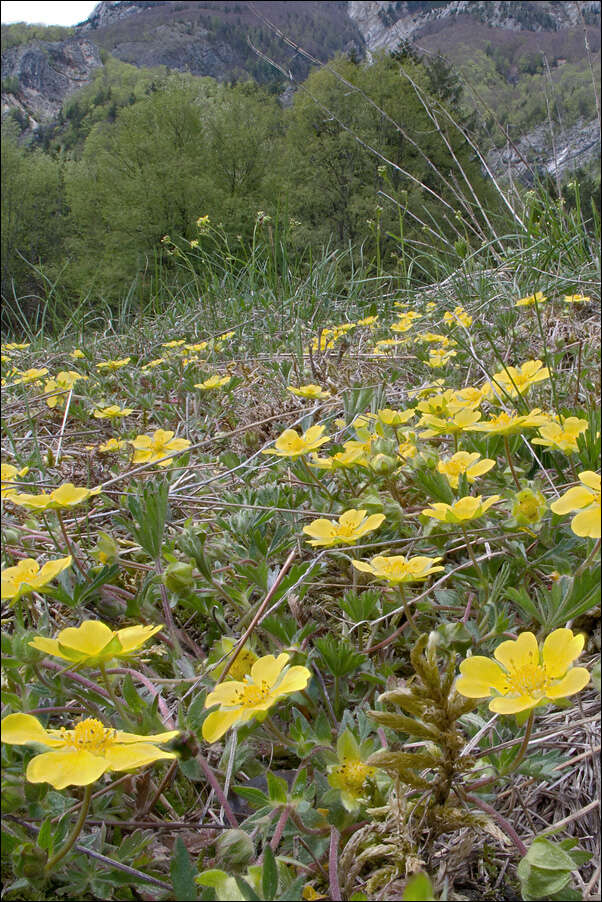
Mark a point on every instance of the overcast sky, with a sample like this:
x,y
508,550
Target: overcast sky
x,y
47,13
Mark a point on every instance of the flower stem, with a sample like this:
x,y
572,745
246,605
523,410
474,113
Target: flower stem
x,y
116,703
471,555
582,567
277,733
406,609
69,544
77,829
511,465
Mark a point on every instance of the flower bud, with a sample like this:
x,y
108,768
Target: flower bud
x,y
528,507
383,464
30,861
178,577
234,849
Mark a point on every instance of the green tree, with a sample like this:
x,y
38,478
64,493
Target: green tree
x,y
33,217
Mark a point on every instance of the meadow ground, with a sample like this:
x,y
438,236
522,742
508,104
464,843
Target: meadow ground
x,y
300,586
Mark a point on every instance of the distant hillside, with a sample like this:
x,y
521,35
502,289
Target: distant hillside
x,y
524,59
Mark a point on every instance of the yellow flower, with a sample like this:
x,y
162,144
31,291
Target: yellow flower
x,y
434,336
342,460
472,396
241,701
8,474
516,381
511,424
214,381
81,756
576,298
32,375
112,412
352,525
202,223
427,390
467,508
405,321
390,417
197,347
153,363
174,344
407,449
152,448
528,507
309,391
240,668
584,498
525,677
464,463
64,381
561,437
93,642
15,346
113,364
291,444
28,577
399,569
67,495
453,425
112,444
76,354
350,774
537,298
367,321
448,403
439,357
458,316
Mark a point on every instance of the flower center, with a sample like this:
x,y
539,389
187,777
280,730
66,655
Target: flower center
x,y
531,679
89,735
354,774
253,694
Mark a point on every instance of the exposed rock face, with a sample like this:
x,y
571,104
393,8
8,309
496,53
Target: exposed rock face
x,y
47,73
110,11
541,153
384,23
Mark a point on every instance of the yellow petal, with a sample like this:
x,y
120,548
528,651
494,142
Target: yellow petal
x,y
517,653
363,566
352,518
512,704
132,637
219,722
372,522
573,500
20,729
574,681
129,757
591,480
480,675
560,649
122,737
48,647
587,523
268,668
294,679
51,569
89,638
319,529
66,767
227,694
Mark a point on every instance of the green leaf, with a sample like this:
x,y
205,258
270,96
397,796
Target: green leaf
x,y
255,796
419,889
549,856
183,873
269,880
46,835
277,789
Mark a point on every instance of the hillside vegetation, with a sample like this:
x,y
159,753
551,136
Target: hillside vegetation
x,y
301,509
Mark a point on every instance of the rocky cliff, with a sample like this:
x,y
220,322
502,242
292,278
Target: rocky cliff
x,y
207,37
